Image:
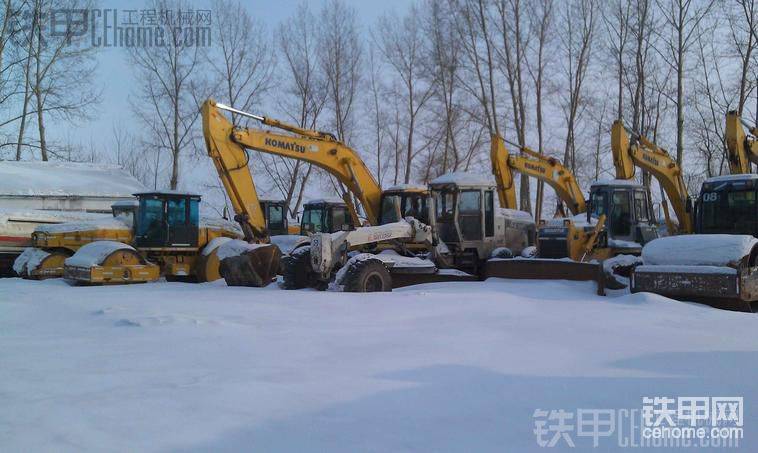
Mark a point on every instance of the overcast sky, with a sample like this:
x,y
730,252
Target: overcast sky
x,y
115,77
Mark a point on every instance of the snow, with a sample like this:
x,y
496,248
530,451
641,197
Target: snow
x,y
677,269
169,192
516,214
217,223
64,179
288,242
325,200
122,222
406,187
47,216
620,261
29,259
732,178
437,367
94,253
616,182
214,244
623,244
464,178
235,247
698,250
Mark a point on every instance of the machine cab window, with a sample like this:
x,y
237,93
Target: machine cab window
x,y
167,220
396,206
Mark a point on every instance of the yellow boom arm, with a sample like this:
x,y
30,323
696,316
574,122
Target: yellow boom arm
x,y
743,150
318,148
533,164
648,156
231,162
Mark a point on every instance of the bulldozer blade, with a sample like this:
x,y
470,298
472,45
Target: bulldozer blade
x,y
546,269
257,267
401,279
728,290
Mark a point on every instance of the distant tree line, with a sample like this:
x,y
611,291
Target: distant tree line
x,y
418,92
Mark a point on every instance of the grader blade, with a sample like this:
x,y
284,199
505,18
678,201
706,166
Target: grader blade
x,y
720,287
255,267
546,269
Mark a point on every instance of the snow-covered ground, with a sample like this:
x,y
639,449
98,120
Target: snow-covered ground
x,y
438,367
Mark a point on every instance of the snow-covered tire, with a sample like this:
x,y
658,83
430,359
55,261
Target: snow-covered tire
x,y
366,276
296,270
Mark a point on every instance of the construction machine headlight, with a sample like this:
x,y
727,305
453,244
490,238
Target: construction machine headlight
x,y
566,223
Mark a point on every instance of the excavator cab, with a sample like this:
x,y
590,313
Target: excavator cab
x,y
629,224
399,202
276,220
167,219
728,205
326,216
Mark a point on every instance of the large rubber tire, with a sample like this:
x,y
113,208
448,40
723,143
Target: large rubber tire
x,y
367,276
296,269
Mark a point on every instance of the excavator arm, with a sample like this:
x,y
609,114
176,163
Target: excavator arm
x,y
231,162
642,153
533,164
742,149
318,148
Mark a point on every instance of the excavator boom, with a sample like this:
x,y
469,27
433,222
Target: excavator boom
x,y
534,164
318,148
742,150
645,154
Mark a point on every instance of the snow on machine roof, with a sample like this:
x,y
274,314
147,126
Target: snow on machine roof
x,y
699,250
463,178
406,188
616,182
732,178
65,179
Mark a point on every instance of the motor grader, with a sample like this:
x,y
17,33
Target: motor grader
x,y
718,264
463,228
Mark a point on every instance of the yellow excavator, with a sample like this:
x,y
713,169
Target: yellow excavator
x,y
718,264
585,238
404,223
586,235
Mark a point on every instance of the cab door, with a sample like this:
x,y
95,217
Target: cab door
x,y
182,230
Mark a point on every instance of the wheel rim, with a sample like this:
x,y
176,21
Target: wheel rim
x,y
373,283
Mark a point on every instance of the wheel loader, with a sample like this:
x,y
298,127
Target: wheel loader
x,y
718,264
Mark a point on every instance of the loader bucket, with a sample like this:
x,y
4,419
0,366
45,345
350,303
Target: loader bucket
x,y
256,267
546,269
720,287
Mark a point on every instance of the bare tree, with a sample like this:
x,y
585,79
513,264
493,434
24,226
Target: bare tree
x,y
341,55
681,18
400,41
511,55
304,95
541,26
617,23
170,90
242,59
579,25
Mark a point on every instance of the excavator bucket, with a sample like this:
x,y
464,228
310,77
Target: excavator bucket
x,y
547,269
254,267
720,287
